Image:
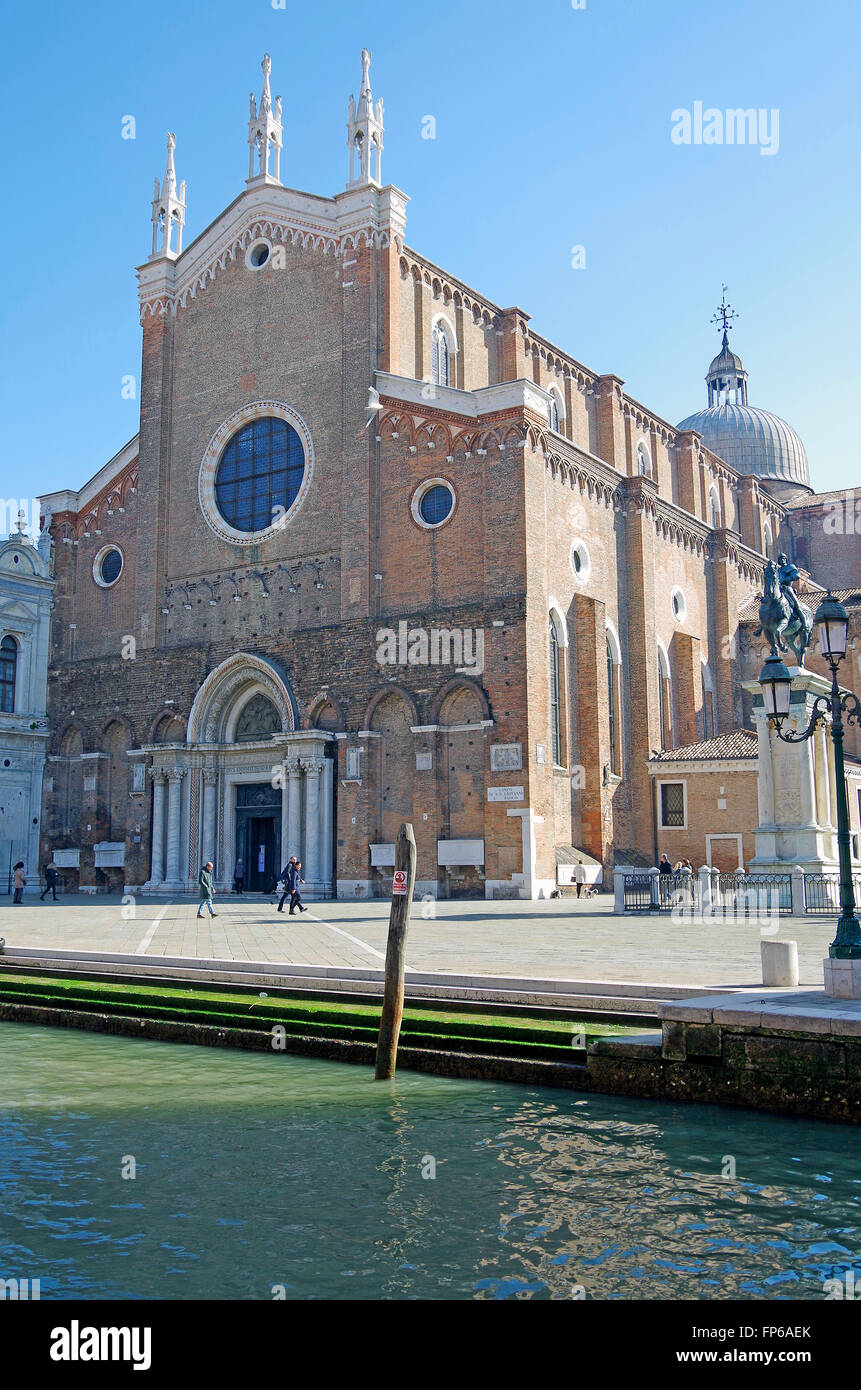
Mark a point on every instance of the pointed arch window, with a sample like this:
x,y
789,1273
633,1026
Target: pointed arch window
x,y
614,711
767,542
665,700
441,356
554,412
709,728
714,508
555,702
8,671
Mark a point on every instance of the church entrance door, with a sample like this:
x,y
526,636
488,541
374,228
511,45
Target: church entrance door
x,y
258,834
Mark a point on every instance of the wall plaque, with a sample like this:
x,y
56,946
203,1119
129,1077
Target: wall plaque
x,y
506,757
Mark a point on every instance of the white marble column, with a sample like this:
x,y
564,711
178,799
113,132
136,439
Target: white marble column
x,y
807,787
326,823
210,778
832,778
284,853
311,868
823,778
157,849
765,774
174,818
293,842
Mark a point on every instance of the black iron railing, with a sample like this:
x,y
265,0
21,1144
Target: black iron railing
x,y
758,891
822,892
638,893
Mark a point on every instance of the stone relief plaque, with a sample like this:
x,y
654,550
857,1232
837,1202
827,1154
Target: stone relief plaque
x,y
506,757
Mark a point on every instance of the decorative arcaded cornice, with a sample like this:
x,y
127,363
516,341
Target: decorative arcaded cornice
x,y
449,289
570,466
674,524
370,216
728,546
251,582
644,420
72,526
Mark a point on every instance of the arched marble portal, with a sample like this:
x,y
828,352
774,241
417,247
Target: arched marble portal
x,y
247,782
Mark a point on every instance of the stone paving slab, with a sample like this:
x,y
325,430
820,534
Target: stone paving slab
x,y
797,1011
550,940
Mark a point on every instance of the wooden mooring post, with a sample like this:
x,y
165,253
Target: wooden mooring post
x,y
396,950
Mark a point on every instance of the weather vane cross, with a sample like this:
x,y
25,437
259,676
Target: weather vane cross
x,y
724,315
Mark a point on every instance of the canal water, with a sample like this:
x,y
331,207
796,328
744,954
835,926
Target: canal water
x,y
263,1176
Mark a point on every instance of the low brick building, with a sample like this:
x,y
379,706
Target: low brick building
x,y
705,800
382,552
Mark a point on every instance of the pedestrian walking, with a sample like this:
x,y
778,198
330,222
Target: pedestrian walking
x,y
284,880
239,876
19,881
294,879
664,865
207,889
580,876
295,896
50,881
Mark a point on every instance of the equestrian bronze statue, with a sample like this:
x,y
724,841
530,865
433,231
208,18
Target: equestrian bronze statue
x,y
781,615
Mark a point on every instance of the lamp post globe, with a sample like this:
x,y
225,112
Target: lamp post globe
x,y
832,623
776,684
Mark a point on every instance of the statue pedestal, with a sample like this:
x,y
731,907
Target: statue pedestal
x,y
843,979
795,785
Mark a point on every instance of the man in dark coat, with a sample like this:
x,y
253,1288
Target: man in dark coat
x,y
50,881
285,879
293,882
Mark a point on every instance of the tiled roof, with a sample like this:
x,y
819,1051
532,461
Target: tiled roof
x,y
741,743
749,609
814,499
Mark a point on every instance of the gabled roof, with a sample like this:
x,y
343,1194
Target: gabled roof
x,y
741,743
67,500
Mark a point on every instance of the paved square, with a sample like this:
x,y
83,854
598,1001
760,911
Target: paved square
x,y
551,939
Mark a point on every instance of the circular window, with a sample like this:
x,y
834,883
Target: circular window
x,y
257,255
259,474
108,566
581,565
256,471
680,607
433,503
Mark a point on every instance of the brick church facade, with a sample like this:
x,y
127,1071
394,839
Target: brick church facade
x,y
381,552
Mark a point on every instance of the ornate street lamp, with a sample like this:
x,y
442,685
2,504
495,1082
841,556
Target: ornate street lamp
x,y
832,622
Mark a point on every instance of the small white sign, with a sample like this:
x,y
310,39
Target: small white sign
x,y
505,793
399,882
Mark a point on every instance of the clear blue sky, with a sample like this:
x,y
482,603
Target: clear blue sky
x,y
553,129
